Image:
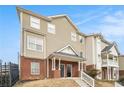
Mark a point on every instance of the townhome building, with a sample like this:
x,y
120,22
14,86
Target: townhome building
x,y
53,47
103,56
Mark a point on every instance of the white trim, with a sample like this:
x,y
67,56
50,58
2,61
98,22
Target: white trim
x,y
79,66
51,28
36,40
20,53
47,67
59,62
73,36
54,63
38,68
37,22
66,47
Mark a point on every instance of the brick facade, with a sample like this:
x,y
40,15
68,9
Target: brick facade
x,y
25,68
121,73
57,73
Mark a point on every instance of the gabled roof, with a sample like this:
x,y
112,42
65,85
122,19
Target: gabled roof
x,y
49,18
69,20
107,48
63,50
101,36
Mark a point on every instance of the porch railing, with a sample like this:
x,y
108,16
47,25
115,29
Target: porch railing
x,y
88,79
118,85
109,63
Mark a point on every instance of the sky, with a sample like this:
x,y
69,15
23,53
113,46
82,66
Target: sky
x,y
108,20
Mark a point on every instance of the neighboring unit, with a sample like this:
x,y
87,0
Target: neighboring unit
x,y
121,66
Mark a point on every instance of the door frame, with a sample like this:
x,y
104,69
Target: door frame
x,y
64,69
71,70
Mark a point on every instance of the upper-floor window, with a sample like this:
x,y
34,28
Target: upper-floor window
x,y
35,68
73,36
81,54
34,22
51,28
81,39
34,43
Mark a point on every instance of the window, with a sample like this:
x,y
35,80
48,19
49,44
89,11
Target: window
x,y
81,54
34,22
35,68
73,36
51,28
34,43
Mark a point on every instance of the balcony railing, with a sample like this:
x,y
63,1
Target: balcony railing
x,y
109,63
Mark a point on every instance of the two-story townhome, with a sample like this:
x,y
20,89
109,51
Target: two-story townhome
x,y
51,47
103,56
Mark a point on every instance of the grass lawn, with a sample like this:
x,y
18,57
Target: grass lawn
x,y
48,83
102,83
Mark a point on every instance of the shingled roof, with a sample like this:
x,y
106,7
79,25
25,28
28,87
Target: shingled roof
x,y
107,48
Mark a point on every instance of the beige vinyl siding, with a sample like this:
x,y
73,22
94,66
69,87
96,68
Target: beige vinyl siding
x,y
32,53
62,37
121,62
89,50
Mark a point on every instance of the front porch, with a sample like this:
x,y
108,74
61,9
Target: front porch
x,y
110,73
60,65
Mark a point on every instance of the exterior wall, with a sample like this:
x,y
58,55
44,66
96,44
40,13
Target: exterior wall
x,y
103,45
114,52
26,24
57,73
60,39
121,66
89,50
32,53
63,37
25,67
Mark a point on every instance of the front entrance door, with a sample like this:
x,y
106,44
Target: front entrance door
x,y
69,70
62,70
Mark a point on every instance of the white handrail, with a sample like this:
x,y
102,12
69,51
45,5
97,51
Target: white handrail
x,y
118,85
88,79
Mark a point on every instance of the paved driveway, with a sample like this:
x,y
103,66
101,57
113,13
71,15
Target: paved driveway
x,y
48,83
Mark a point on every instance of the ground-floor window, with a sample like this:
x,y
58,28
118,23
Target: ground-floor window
x,y
35,68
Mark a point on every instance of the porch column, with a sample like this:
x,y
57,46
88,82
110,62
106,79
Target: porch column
x,y
47,67
117,73
79,66
110,73
113,58
59,62
107,59
82,68
54,63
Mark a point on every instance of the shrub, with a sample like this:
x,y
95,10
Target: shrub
x,y
121,81
93,72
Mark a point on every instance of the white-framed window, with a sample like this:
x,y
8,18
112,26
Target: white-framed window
x,y
73,36
34,22
35,68
51,28
34,43
81,54
81,39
